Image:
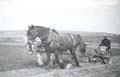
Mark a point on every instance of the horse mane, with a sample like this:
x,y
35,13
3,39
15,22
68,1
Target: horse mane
x,y
41,27
55,31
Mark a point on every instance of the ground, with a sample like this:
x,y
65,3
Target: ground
x,y
16,62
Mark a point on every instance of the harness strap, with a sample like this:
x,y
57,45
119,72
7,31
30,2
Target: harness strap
x,y
58,42
44,36
47,36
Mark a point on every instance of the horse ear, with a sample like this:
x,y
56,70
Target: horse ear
x,y
32,26
55,31
29,26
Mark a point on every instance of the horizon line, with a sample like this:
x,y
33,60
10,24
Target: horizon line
x,y
69,30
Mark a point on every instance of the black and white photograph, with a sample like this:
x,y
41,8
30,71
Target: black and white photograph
x,y
59,38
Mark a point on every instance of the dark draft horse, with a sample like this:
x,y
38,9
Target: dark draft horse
x,y
55,42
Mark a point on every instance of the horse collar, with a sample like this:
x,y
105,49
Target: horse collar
x,y
44,38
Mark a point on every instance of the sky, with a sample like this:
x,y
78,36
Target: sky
x,y
75,15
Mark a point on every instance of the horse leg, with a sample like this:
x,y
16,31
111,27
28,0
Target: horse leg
x,y
48,53
72,51
82,51
52,62
39,59
58,61
57,57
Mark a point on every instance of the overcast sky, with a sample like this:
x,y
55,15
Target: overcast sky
x,y
80,15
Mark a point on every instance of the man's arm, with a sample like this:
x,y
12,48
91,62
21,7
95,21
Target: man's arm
x,y
109,45
101,43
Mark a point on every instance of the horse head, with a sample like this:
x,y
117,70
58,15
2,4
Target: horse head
x,y
32,33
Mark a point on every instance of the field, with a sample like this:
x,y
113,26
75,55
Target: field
x,y
16,62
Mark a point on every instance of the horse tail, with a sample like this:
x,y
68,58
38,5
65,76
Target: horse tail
x,y
82,45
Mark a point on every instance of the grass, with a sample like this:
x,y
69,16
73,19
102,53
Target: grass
x,y
16,57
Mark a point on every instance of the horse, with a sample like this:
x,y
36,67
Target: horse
x,y
55,42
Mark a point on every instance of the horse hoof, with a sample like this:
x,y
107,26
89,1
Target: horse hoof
x,y
40,64
77,65
68,66
62,66
110,62
30,53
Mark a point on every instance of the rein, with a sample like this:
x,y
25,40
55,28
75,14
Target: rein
x,y
44,36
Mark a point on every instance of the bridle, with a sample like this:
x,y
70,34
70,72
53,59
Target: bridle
x,y
43,41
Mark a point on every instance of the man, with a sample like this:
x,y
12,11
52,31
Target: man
x,y
105,42
106,56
